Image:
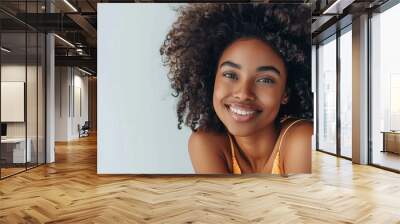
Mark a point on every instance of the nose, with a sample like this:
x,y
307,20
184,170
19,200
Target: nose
x,y
244,91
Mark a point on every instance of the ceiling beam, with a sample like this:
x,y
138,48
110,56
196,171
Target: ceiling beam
x,y
85,61
83,23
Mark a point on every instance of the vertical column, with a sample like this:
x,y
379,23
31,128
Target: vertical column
x,y
314,90
338,91
360,90
50,92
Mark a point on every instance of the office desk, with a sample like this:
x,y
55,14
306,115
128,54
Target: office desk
x,y
15,148
391,141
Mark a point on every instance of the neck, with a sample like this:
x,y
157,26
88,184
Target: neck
x,y
257,148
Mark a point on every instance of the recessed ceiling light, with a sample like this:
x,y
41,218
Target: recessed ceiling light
x,y
70,5
84,71
65,41
5,50
337,7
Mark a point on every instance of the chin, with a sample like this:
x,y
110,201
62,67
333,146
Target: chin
x,y
241,131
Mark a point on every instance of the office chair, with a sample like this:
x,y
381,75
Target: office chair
x,y
84,130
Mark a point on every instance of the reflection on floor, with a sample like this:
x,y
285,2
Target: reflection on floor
x,y
387,159
10,169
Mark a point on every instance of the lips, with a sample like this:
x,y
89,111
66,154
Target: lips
x,y
242,112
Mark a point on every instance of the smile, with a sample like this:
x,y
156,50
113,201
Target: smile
x,y
242,114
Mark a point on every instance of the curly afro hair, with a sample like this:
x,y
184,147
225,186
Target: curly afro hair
x,y
197,39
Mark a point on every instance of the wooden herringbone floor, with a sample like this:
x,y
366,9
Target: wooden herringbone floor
x,y
70,191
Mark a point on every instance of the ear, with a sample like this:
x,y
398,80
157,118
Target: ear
x,y
285,97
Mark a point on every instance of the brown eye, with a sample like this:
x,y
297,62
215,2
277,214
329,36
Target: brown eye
x,y
230,75
266,81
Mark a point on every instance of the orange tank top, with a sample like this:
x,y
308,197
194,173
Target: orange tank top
x,y
276,167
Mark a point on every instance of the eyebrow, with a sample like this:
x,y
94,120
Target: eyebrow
x,y
259,69
268,68
231,64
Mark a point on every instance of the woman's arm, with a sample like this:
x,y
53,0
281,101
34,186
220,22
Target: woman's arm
x,y
206,154
297,148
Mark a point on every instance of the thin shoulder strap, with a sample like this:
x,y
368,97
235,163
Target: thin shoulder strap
x,y
276,169
286,130
235,165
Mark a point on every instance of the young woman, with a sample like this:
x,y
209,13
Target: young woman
x,y
242,75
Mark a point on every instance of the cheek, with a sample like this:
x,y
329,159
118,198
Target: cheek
x,y
271,100
220,92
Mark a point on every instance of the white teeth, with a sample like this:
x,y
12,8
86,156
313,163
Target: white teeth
x,y
241,112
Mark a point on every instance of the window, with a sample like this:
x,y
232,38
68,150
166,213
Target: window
x,y
385,89
346,93
327,96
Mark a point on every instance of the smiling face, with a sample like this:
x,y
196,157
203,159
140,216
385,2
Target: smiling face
x,y
249,87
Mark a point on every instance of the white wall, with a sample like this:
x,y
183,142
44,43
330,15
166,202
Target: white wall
x,y
137,122
61,103
79,106
68,81
79,117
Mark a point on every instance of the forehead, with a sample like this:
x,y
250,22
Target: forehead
x,y
252,53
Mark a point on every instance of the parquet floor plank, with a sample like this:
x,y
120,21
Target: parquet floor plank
x,y
70,191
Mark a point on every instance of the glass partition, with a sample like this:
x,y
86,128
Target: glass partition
x,y
327,96
32,95
14,153
22,88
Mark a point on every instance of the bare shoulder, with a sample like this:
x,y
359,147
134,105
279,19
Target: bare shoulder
x,y
207,152
204,138
300,130
297,147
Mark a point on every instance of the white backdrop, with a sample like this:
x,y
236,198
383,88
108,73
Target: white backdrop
x,y
137,122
